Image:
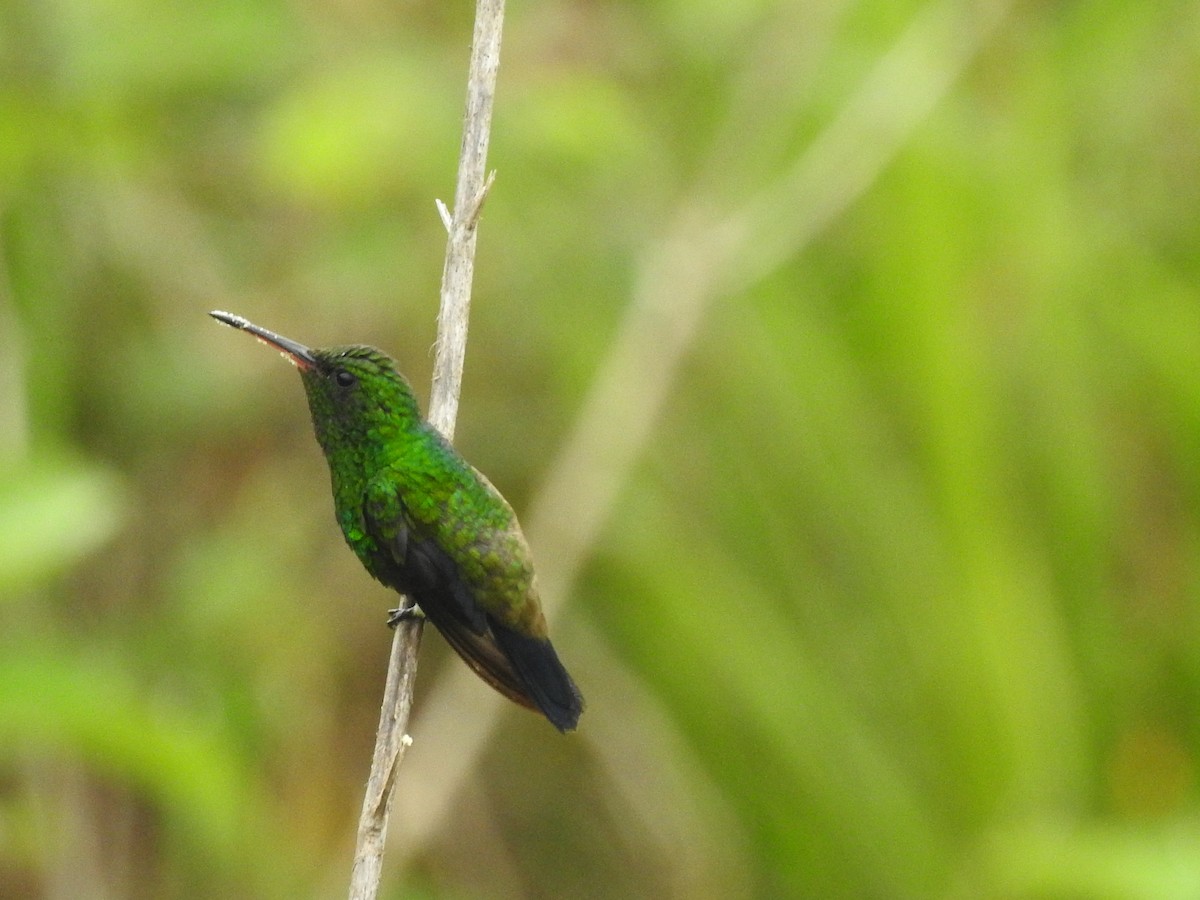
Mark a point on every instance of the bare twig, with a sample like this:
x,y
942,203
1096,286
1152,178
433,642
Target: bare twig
x,y
470,192
469,195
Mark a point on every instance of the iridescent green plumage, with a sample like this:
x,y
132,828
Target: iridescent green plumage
x,y
423,521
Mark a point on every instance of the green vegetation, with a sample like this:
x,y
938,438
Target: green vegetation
x,y
896,596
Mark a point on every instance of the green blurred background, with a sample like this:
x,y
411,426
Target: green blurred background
x,y
839,357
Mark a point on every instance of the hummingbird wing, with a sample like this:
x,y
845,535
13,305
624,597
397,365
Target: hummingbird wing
x,y
523,667
411,561
446,600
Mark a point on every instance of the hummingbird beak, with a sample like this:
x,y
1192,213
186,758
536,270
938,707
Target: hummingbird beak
x,y
295,353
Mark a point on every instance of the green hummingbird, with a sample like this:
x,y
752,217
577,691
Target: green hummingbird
x,y
426,523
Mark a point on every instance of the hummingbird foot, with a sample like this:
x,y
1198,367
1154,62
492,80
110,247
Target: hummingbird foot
x,y
404,613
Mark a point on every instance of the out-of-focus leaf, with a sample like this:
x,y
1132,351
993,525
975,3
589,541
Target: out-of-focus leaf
x,y
93,709
347,136
52,515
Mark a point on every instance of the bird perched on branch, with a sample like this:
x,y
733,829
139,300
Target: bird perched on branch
x,y
426,523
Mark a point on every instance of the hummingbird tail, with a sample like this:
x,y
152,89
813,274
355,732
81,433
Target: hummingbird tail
x,y
545,679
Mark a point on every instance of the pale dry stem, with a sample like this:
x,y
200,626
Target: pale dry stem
x,y
392,738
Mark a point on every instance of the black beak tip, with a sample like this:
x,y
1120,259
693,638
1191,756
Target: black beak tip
x,y
297,353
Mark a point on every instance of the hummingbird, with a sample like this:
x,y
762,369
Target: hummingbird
x,y
424,522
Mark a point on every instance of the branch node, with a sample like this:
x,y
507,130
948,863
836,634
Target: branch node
x,y
444,214
478,200
470,191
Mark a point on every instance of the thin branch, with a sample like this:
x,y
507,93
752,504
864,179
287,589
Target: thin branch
x,y
469,196
470,192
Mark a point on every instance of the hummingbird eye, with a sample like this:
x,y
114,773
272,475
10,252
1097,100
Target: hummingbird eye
x,y
344,378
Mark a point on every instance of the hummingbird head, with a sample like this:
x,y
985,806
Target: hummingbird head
x,y
357,397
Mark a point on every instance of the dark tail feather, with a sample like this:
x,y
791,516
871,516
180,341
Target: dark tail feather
x,y
486,659
546,680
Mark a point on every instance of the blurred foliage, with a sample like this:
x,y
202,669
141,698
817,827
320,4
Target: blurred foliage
x,y
899,601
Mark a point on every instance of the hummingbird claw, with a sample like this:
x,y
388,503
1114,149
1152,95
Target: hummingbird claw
x,y
403,614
